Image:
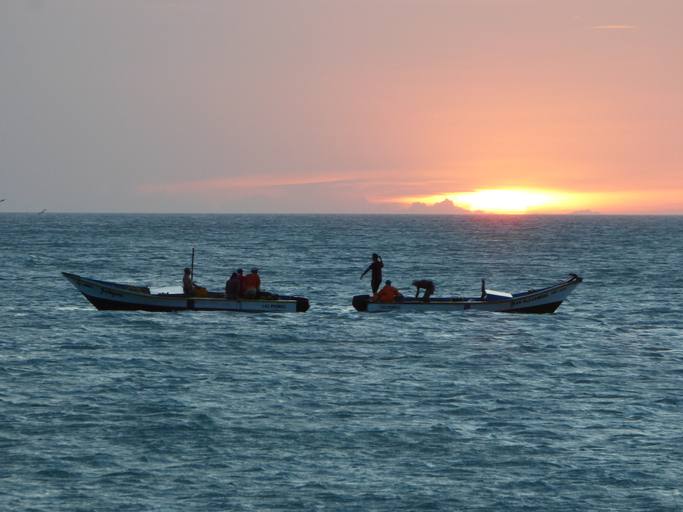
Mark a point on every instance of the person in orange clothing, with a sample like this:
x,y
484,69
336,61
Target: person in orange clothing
x,y
389,294
252,284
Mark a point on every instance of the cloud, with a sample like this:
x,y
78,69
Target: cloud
x,y
445,206
269,194
614,27
221,185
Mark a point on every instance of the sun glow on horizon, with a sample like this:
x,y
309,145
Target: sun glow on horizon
x,y
505,201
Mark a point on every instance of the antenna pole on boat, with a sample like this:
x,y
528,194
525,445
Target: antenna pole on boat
x,y
192,265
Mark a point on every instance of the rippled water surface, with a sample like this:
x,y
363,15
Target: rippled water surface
x,y
334,409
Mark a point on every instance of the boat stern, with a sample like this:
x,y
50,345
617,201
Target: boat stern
x,y
360,302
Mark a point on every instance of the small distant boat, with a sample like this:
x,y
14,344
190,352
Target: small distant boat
x,y
105,295
544,300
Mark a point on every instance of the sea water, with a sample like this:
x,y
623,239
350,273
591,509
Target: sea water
x,y
334,409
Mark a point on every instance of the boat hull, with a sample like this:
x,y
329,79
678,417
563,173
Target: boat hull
x,y
117,297
545,300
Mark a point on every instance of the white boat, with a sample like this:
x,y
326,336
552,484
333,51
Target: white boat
x,y
115,296
544,300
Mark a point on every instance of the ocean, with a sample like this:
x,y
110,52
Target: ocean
x,y
334,409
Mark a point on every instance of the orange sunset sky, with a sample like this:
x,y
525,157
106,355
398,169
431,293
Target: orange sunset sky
x,y
424,106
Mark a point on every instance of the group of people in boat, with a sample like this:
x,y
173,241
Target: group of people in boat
x,y
237,286
389,293
240,285
249,286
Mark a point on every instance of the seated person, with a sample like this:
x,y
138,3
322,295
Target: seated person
x,y
252,284
388,294
232,287
240,276
188,285
425,284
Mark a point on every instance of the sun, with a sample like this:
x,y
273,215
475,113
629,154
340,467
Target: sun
x,y
504,200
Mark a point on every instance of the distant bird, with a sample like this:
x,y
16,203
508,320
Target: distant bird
x,y
2,200
42,211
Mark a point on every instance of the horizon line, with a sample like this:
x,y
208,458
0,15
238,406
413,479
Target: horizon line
x,y
412,214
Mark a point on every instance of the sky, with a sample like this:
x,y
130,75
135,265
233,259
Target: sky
x,y
342,106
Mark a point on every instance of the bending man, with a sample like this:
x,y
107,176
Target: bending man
x,y
425,284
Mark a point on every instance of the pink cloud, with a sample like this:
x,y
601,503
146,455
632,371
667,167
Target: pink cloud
x,y
220,185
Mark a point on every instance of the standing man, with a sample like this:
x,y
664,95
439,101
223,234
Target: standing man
x,y
376,276
425,284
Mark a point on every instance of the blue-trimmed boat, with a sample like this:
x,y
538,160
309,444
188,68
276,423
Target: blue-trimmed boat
x,y
116,296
